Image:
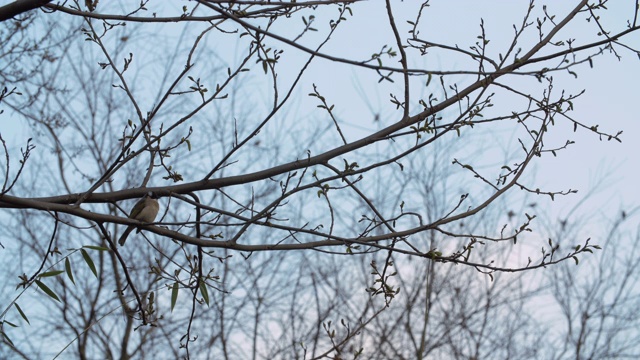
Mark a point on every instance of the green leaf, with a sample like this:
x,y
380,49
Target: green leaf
x,y
204,292
174,295
89,262
99,248
10,324
67,268
6,337
576,259
22,313
47,291
50,273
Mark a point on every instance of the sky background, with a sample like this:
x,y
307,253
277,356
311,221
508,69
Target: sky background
x,y
609,170
611,91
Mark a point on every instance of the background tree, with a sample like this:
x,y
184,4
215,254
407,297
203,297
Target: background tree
x,y
129,100
597,320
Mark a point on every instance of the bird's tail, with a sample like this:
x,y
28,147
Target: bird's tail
x,y
124,235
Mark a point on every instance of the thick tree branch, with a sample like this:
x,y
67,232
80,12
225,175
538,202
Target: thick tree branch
x,y
20,6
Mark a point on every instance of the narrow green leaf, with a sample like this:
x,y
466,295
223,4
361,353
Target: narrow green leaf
x,y
47,291
174,295
6,337
99,248
89,262
67,268
204,292
50,273
22,313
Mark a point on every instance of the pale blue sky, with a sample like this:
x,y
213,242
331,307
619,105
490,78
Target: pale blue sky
x,y
610,99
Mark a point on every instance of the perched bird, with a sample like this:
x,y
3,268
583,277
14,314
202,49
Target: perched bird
x,y
145,210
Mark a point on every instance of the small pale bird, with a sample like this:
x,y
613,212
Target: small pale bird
x,y
145,210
